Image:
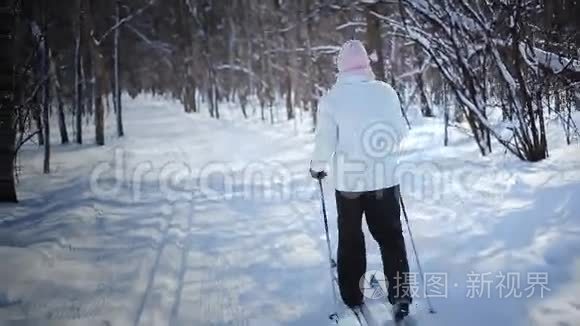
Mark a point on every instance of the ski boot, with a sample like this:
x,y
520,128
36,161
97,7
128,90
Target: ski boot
x,y
400,309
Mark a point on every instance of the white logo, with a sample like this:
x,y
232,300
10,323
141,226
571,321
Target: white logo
x,y
379,140
373,285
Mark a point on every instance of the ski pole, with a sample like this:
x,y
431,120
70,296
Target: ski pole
x,y
431,309
331,261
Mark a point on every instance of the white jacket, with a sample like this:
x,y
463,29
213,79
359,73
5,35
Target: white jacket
x,y
360,126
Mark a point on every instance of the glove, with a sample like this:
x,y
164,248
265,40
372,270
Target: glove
x,y
317,175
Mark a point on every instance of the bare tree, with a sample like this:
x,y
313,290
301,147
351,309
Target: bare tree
x,y
117,80
58,90
98,68
78,71
477,48
8,103
45,69
374,38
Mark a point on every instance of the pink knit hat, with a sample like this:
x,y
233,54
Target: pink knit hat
x,y
353,57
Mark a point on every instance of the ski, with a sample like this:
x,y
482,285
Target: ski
x,y
382,314
397,318
357,312
358,317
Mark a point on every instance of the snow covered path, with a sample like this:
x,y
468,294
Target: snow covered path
x,y
192,221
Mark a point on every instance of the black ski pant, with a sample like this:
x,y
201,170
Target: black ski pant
x,y
382,211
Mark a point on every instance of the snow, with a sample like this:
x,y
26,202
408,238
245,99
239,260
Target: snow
x,y
194,221
350,24
328,49
556,63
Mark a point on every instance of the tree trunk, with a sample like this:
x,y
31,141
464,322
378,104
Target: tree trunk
x,y
577,98
185,98
37,115
55,73
262,108
543,145
314,111
288,41
99,84
89,82
569,119
216,98
117,95
61,120
8,102
99,114
37,108
426,108
46,94
251,72
210,98
79,100
309,87
375,42
78,76
193,98
289,107
426,105
243,103
46,122
112,81
482,131
476,130
446,117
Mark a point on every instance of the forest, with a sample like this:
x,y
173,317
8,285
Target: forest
x,y
497,69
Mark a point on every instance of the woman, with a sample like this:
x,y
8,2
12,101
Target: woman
x,y
360,126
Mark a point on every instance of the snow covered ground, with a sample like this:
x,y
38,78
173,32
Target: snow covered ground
x,y
193,221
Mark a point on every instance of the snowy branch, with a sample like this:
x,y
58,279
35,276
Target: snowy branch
x,y
121,22
157,45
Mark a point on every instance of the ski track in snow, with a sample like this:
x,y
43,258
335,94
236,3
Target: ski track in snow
x,y
151,245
